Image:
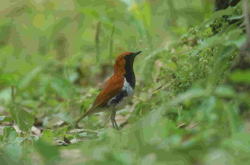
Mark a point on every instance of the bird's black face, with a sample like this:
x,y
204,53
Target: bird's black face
x,y
130,58
129,74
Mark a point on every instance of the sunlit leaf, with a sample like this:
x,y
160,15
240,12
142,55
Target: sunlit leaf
x,y
241,76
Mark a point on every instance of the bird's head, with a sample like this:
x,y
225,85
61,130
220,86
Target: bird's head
x,y
125,61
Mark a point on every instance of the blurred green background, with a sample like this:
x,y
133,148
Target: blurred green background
x,y
189,106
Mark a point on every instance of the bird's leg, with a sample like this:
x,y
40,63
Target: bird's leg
x,y
112,117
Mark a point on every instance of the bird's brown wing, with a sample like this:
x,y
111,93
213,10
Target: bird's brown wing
x,y
111,88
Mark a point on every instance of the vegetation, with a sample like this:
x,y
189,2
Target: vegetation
x,y
191,104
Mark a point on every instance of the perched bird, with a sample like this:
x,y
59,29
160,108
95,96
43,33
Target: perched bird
x,y
116,89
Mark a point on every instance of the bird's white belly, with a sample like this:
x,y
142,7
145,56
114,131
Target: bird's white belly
x,y
127,87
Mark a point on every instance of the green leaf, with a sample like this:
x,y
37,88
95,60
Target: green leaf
x,y
4,119
188,95
225,91
5,95
13,148
14,151
9,134
241,76
239,142
8,79
62,87
26,80
23,119
48,152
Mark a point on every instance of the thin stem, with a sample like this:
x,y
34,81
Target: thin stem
x,y
97,40
111,41
247,18
13,94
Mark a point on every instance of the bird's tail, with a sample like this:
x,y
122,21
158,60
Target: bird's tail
x,y
90,111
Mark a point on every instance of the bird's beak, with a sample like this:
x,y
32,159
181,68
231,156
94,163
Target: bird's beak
x,y
136,53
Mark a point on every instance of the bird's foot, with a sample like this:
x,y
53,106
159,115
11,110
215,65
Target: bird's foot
x,y
114,124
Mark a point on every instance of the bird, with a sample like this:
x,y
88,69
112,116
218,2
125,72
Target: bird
x,y
118,88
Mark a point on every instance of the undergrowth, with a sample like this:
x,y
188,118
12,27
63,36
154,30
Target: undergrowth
x,y
187,107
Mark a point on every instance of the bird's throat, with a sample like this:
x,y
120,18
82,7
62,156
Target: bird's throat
x,y
129,74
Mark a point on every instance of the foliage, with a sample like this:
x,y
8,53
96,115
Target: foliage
x,y
188,108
